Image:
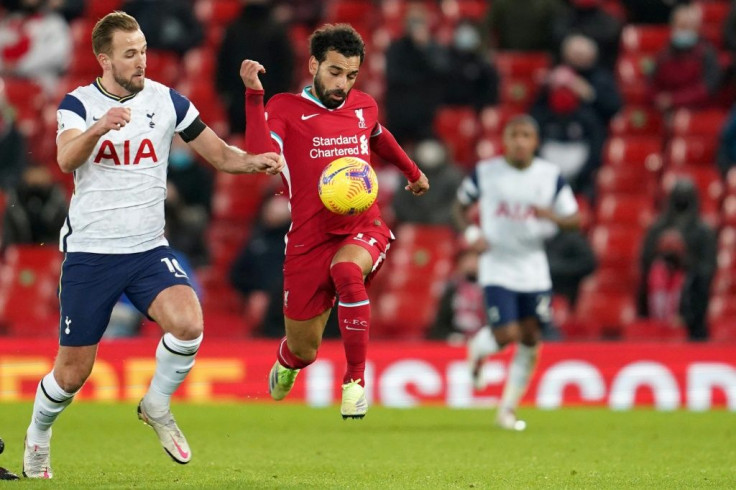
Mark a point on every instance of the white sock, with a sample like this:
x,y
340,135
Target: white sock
x,y
522,367
50,401
174,360
483,343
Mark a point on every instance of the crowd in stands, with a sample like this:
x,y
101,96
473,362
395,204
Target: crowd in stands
x,y
633,99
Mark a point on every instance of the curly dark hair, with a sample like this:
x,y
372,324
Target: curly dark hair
x,y
340,37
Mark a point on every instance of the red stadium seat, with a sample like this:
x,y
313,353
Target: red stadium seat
x,y
97,9
494,119
518,92
632,72
163,67
634,151
202,93
728,211
524,65
217,12
713,12
458,128
628,210
648,39
616,245
722,330
28,284
637,121
691,150
686,122
722,306
724,283
605,313
626,180
608,281
585,210
200,62
488,147
653,330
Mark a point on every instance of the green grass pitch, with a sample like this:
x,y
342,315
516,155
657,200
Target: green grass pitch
x,y
293,446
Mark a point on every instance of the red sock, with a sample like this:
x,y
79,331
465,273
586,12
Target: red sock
x,y
354,316
288,359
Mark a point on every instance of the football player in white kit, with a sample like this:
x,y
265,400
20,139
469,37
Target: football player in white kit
x,y
522,200
114,135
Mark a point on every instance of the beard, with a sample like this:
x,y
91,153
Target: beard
x,y
129,84
324,95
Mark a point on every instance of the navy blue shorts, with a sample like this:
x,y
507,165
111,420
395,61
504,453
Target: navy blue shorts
x,y
504,306
91,284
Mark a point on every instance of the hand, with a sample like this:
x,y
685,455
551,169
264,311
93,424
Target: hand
x,y
269,163
249,71
114,120
419,186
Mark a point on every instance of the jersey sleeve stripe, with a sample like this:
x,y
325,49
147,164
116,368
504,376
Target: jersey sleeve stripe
x,y
278,140
560,184
73,104
468,192
181,105
377,131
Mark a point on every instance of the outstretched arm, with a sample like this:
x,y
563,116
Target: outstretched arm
x,y
385,146
231,159
257,134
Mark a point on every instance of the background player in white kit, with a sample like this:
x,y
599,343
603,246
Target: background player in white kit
x,y
115,135
522,200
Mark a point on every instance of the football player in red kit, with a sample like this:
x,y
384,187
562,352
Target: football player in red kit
x,y
326,253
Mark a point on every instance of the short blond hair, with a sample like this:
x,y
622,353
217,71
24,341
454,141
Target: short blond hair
x,y
106,27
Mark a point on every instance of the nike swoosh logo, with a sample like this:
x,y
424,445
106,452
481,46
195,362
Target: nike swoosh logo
x,y
183,454
357,329
95,118
304,118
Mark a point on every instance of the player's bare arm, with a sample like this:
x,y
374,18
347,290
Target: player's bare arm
x,y
74,147
566,223
419,186
249,71
231,159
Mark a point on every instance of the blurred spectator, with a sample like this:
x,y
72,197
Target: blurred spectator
x,y
194,182
571,259
416,67
434,208
726,157
665,281
308,13
13,155
35,43
681,214
686,73
69,9
472,80
588,18
185,227
461,311
168,24
729,29
650,11
259,265
35,210
579,70
522,25
571,133
255,34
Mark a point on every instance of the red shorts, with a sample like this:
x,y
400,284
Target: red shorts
x,y
308,287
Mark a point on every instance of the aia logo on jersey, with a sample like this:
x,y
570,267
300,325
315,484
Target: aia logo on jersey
x,y
361,119
515,211
107,151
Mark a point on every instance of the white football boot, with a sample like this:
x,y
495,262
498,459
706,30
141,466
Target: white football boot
x,y
506,419
169,434
37,461
354,404
280,381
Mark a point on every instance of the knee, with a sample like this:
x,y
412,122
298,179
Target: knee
x,y
71,378
507,334
186,328
348,279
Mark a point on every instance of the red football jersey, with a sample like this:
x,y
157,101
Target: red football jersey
x,y
311,136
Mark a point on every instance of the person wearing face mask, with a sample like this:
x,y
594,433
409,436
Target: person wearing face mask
x,y
592,83
589,19
472,80
571,133
35,210
35,43
682,214
435,208
686,72
416,70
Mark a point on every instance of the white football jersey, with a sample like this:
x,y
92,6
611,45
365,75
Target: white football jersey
x,y
119,192
516,259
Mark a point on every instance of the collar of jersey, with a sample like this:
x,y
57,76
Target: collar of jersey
x,y
307,94
98,84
